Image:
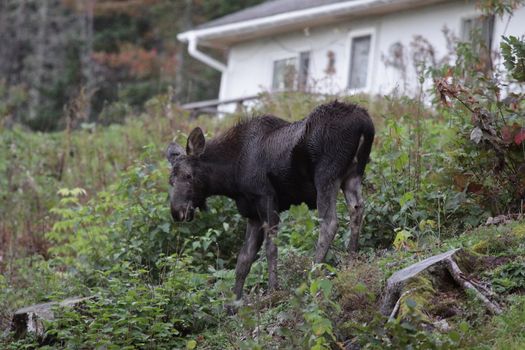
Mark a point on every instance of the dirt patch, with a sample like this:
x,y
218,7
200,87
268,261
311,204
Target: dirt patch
x,y
491,262
446,304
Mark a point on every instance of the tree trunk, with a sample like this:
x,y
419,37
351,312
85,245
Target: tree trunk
x,y
181,77
86,58
39,59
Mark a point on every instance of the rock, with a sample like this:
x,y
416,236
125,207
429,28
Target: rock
x,y
503,219
498,220
31,319
442,326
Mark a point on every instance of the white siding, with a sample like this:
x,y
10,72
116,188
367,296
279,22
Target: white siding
x,y
250,64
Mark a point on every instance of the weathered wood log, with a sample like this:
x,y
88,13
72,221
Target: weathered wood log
x,y
31,319
460,279
398,280
402,283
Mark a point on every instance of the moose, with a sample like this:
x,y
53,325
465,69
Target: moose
x,y
266,164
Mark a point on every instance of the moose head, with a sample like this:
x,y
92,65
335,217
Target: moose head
x,y
187,190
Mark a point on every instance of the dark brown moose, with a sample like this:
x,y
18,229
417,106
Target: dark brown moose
x,y
267,164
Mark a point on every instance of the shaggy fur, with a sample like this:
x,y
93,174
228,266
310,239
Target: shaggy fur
x,y
267,164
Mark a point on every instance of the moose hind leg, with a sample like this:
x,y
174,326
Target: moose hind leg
x,y
326,207
355,204
267,210
247,255
271,255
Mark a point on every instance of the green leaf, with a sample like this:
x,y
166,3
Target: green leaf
x,y
407,197
165,227
321,327
191,344
454,336
314,287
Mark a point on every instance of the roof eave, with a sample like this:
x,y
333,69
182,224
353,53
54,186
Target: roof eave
x,y
224,35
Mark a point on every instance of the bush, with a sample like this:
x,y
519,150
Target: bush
x,y
490,161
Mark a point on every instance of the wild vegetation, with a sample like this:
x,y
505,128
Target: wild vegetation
x,y
113,54
85,213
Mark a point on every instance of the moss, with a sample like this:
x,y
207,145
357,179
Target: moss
x,y
468,260
501,242
482,247
358,287
421,291
519,231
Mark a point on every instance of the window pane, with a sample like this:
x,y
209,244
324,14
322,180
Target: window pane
x,y
285,74
480,27
467,29
359,61
304,67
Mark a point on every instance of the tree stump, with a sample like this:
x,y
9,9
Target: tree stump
x,y
423,277
31,319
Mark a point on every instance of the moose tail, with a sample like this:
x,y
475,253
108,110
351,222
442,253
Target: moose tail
x,y
365,146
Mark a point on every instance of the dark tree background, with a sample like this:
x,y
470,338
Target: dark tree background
x,y
102,56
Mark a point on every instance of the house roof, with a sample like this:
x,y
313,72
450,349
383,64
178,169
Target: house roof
x,y
279,16
267,8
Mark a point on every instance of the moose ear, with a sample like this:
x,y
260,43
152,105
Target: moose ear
x,y
174,152
196,142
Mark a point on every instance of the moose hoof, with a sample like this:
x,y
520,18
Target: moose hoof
x,y
230,310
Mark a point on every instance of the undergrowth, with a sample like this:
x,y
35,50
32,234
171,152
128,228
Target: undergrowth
x,y
84,212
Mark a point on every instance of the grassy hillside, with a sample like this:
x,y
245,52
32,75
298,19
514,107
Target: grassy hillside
x,y
86,214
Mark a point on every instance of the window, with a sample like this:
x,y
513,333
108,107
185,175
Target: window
x,y
284,73
359,58
478,28
478,31
291,73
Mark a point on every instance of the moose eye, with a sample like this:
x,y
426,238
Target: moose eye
x,y
187,177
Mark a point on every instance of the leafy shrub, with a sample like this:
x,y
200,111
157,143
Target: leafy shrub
x,y
131,222
490,161
115,112
407,333
406,186
509,277
513,52
128,312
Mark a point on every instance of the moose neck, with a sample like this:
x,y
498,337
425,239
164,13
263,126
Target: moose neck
x,y
219,162
219,173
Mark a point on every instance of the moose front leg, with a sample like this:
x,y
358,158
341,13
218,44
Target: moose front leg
x,y
267,209
252,243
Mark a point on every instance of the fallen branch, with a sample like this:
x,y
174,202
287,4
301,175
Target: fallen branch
x,y
460,279
398,304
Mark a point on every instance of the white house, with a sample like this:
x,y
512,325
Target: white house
x,y
330,46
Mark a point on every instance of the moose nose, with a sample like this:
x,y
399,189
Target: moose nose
x,y
189,214
177,215
183,215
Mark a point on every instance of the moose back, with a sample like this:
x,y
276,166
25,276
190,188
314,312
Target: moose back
x,y
266,164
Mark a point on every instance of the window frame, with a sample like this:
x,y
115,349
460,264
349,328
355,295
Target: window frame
x,y
472,16
358,33
297,83
274,63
